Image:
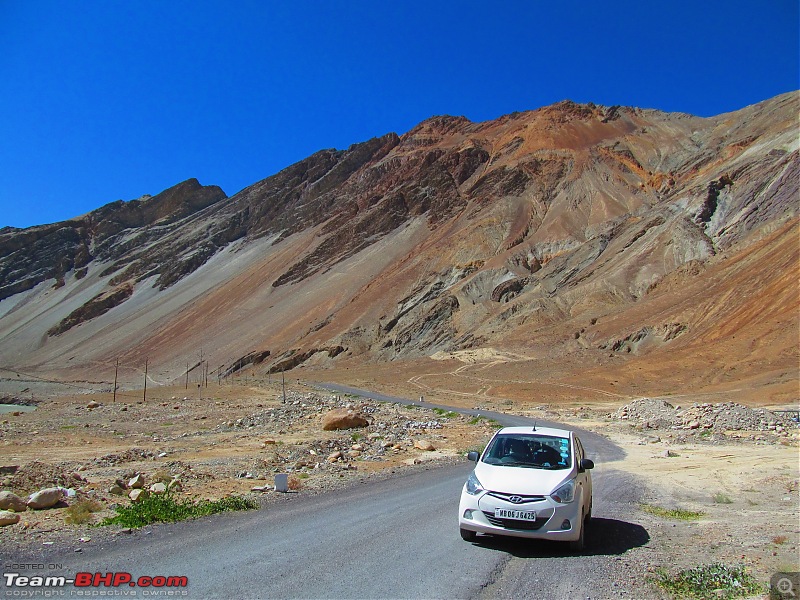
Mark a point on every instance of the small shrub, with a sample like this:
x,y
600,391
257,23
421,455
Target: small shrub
x,y
779,539
710,582
447,414
160,476
293,483
672,513
722,499
356,436
165,509
81,512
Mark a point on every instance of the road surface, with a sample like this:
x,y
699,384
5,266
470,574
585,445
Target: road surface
x,y
396,538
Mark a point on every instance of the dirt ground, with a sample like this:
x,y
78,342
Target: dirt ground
x,y
228,439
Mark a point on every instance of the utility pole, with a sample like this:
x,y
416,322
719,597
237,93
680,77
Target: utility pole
x,y
116,370
283,385
144,397
187,374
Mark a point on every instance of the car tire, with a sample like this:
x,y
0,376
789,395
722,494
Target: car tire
x,y
467,535
578,545
588,516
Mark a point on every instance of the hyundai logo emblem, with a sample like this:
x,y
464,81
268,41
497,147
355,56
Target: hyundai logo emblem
x,y
515,499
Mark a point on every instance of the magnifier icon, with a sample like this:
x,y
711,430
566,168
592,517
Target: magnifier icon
x,y
785,587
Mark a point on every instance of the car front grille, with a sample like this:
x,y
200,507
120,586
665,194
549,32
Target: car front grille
x,y
514,523
523,499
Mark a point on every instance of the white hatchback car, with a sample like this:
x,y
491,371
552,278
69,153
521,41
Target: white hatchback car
x,y
530,482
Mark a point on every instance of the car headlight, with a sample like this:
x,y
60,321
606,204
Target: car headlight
x,y
565,493
474,486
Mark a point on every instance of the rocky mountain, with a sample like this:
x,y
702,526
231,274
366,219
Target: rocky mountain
x,y
571,228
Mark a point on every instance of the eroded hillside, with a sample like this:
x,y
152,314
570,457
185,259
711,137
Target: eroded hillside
x,y
606,238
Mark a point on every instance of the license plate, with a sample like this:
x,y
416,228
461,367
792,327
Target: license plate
x,y
518,515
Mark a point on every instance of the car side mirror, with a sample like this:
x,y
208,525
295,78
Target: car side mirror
x,y
586,464
473,456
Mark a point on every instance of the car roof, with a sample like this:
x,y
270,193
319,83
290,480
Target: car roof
x,y
565,433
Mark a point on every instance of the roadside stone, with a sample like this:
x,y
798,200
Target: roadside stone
x,y
424,445
93,404
136,482
45,498
138,494
175,486
8,518
343,419
10,501
158,488
116,490
335,456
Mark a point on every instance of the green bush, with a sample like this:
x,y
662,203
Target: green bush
x,y
166,509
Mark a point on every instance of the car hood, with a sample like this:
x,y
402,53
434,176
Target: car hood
x,y
520,480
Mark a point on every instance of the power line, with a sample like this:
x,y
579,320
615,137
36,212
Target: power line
x,y
34,377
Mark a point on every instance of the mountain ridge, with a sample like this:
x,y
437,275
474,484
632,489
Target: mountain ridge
x,y
451,236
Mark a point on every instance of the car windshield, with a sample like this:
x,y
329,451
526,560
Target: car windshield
x,y
529,450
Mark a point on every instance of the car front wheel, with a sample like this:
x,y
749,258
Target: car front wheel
x,y
578,545
468,535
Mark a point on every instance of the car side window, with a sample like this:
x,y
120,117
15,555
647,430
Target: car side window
x,y
579,455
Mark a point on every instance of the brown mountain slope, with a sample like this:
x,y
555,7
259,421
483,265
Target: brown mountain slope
x,y
602,239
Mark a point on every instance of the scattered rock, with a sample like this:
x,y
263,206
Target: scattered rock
x,y
45,498
175,485
335,456
137,482
10,501
8,518
425,445
116,490
158,488
343,419
93,404
138,494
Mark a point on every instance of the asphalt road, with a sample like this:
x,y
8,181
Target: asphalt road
x,y
396,538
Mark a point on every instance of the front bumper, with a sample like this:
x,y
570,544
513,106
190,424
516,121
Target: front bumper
x,y
554,521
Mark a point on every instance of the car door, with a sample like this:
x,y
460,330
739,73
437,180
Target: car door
x,y
584,479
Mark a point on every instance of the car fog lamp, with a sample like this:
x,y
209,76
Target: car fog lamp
x,y
468,514
566,524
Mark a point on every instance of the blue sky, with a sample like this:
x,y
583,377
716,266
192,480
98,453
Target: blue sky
x,y
108,100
